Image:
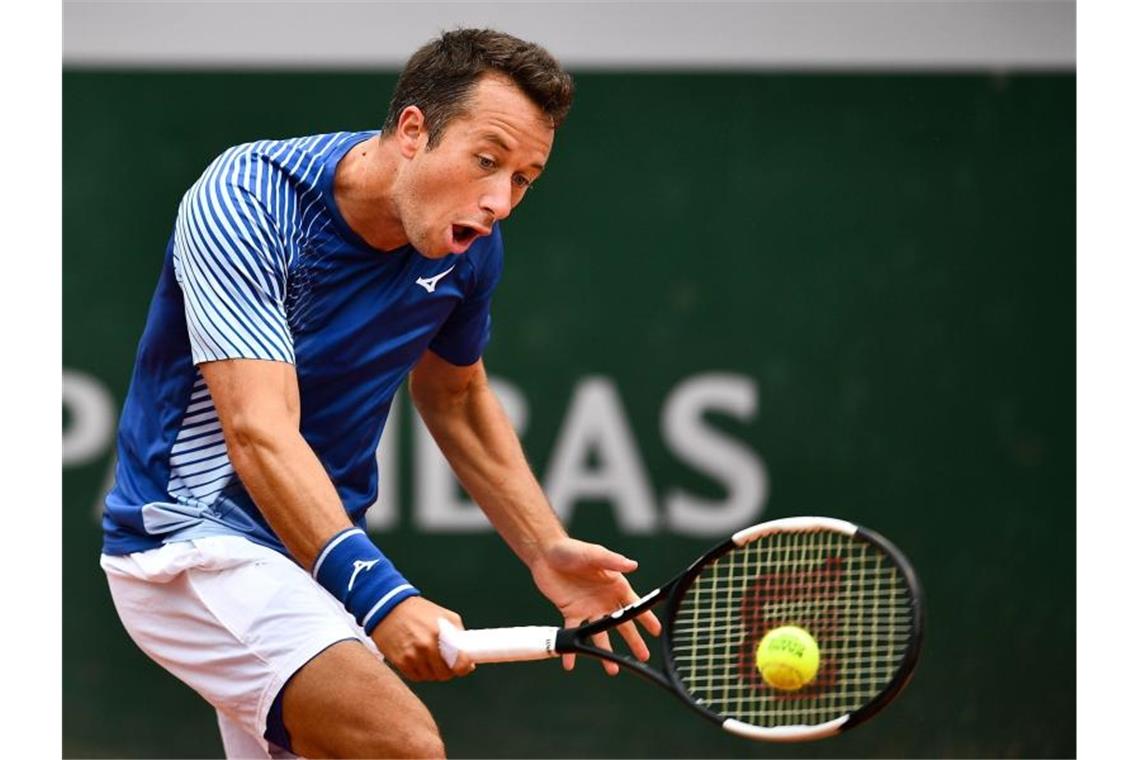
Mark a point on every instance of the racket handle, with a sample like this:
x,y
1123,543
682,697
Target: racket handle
x,y
525,642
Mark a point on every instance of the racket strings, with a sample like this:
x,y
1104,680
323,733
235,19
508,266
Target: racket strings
x,y
847,593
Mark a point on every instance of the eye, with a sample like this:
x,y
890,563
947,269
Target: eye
x,y
521,181
486,162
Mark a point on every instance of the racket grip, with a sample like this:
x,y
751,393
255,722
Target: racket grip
x,y
526,642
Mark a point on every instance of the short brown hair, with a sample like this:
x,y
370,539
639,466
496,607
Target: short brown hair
x,y
439,77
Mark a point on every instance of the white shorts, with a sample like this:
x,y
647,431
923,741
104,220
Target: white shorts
x,y
231,619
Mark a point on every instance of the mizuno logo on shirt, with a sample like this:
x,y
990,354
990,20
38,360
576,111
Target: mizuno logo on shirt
x,y
430,282
357,567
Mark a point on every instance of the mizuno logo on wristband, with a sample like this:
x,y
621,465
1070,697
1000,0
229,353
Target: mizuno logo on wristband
x,y
357,567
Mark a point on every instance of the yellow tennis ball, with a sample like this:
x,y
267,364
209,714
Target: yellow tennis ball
x,y
787,658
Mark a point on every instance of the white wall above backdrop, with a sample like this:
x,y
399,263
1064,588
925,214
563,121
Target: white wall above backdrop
x,y
805,35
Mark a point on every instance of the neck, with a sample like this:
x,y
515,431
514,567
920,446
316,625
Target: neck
x,y
362,188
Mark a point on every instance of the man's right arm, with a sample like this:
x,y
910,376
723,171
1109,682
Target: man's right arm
x,y
232,265
258,403
259,406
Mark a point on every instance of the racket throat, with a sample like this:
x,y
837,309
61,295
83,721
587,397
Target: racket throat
x,y
564,642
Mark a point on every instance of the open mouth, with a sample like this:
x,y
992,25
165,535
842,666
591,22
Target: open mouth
x,y
463,234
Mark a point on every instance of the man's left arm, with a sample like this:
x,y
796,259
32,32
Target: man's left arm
x,y
583,580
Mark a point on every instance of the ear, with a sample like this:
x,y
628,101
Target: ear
x,y
411,131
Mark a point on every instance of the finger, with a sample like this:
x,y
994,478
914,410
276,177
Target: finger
x,y
441,671
568,660
424,669
463,665
633,640
602,641
602,557
649,622
411,671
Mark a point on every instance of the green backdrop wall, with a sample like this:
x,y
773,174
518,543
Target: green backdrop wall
x,y
886,262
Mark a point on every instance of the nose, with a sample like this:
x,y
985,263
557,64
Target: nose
x,y
496,201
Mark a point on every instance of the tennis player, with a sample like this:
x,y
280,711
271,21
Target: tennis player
x,y
304,280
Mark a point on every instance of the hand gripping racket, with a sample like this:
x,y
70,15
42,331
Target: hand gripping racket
x,y
849,587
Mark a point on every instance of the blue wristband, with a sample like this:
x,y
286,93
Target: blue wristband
x,y
352,569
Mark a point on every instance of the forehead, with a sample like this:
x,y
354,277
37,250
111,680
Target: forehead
x,y
497,108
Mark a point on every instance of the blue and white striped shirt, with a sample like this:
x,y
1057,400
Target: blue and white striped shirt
x,y
262,265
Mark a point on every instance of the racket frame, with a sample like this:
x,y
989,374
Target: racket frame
x,y
576,640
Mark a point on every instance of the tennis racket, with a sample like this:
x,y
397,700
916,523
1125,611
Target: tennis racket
x,y
849,587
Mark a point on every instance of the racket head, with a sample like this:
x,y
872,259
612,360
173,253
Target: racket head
x,y
853,590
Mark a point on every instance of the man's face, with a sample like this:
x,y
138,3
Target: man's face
x,y
487,158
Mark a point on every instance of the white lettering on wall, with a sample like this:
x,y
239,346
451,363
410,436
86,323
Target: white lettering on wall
x,y
101,495
596,425
92,414
595,457
441,506
384,514
711,452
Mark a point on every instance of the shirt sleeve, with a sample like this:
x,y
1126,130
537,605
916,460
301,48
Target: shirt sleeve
x,y
232,265
467,330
